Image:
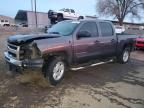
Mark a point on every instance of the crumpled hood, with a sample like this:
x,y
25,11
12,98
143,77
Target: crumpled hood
x,y
22,39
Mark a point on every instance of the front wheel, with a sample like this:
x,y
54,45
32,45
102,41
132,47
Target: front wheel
x,y
55,71
60,18
124,56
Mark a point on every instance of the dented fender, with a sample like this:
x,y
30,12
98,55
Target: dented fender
x,y
47,46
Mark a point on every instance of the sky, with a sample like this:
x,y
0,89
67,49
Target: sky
x,y
10,7
84,7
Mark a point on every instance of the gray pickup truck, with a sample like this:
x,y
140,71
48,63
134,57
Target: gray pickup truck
x,y
68,44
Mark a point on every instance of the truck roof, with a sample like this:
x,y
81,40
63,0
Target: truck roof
x,y
86,20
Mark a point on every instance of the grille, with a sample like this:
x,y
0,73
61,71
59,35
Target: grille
x,y
12,47
12,54
13,51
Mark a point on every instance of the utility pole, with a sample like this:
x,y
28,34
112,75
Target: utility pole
x,y
36,13
31,5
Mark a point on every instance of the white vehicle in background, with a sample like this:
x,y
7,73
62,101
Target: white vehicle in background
x,y
63,14
119,29
69,14
4,23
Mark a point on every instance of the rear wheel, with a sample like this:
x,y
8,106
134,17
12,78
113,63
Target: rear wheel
x,y
80,17
124,56
55,71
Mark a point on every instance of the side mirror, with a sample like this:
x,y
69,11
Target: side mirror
x,y
83,34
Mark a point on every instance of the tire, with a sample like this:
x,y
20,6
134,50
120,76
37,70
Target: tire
x,y
53,21
60,18
80,17
55,70
124,56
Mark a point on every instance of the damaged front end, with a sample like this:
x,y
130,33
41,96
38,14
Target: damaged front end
x,y
26,55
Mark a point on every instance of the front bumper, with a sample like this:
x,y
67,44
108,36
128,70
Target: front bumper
x,y
11,60
33,63
54,16
140,45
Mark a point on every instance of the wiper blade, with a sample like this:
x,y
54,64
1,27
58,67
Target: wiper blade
x,y
54,33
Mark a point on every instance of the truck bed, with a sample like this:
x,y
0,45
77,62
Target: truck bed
x,y
126,36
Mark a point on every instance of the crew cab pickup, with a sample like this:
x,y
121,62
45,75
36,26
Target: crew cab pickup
x,y
63,14
66,45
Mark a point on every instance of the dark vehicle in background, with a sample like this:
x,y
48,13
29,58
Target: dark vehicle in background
x,y
68,44
140,42
23,25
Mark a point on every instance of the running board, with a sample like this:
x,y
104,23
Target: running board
x,y
92,65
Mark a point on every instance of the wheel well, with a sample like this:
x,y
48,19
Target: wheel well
x,y
60,14
130,45
62,55
80,17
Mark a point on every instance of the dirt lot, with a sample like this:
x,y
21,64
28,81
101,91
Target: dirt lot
x,y
106,86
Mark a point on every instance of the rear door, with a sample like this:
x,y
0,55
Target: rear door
x,y
87,48
108,40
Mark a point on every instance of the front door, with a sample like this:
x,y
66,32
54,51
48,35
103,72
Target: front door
x,y
73,15
67,13
86,48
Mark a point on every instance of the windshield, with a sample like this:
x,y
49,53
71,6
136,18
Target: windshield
x,y
63,28
62,9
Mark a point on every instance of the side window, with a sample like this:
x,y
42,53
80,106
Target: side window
x,y
91,27
72,11
66,10
106,29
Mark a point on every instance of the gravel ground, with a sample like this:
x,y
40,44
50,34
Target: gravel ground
x,y
110,85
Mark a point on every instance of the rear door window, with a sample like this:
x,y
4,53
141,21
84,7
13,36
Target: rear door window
x,y
106,29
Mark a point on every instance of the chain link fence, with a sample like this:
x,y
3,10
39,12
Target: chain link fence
x,y
20,30
133,31
29,30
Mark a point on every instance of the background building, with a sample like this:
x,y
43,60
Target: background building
x,y
129,25
27,19
6,21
